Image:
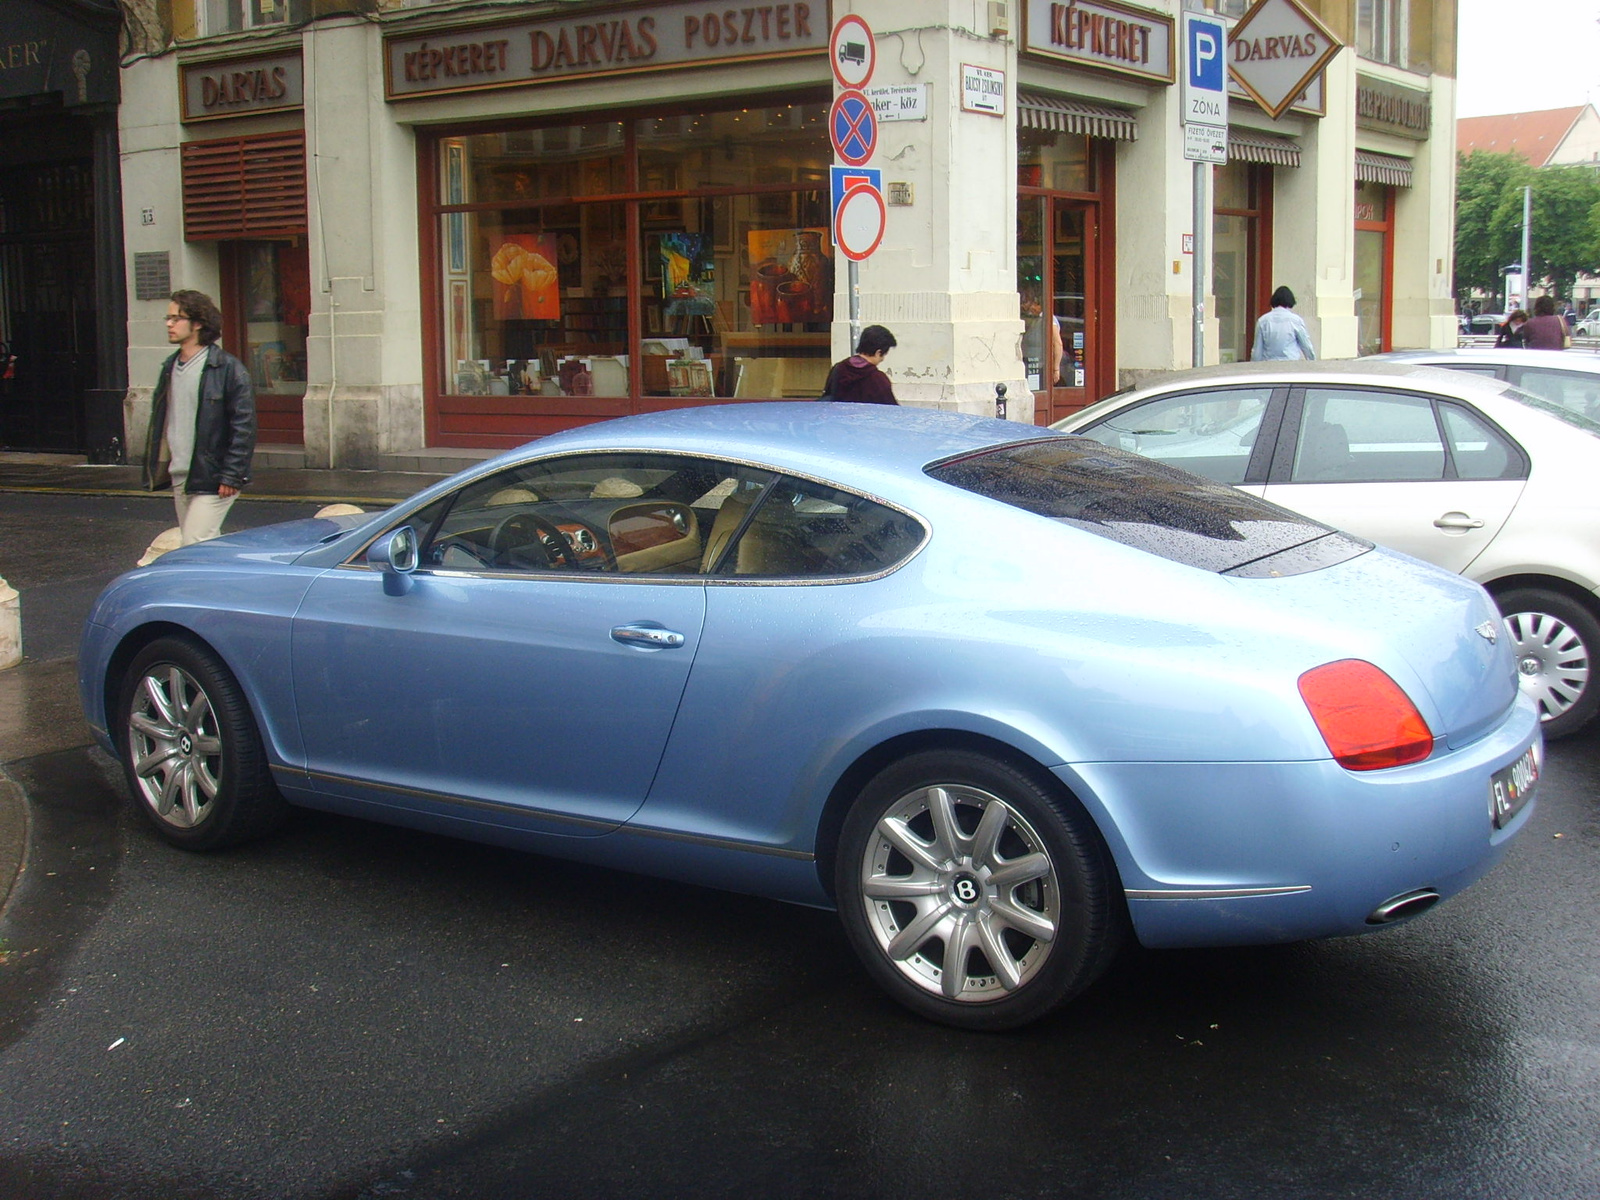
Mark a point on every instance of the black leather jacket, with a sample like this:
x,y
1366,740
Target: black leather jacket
x,y
224,427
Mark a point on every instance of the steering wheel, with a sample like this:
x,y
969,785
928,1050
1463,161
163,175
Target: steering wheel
x,y
515,534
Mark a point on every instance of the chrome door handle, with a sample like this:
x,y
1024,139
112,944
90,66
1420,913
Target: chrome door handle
x,y
1457,520
651,637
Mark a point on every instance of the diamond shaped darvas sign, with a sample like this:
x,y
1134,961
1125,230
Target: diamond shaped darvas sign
x,y
1276,50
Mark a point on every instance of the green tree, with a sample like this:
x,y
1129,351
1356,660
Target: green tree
x,y
1485,183
1565,240
1562,243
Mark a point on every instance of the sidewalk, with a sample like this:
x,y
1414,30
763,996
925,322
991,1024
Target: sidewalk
x,y
69,474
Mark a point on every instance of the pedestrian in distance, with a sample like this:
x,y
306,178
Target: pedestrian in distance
x,y
1511,335
1280,333
1546,330
857,379
202,420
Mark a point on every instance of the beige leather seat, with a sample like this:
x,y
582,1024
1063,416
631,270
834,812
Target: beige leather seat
x,y
729,516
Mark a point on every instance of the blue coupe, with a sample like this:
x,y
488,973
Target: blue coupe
x,y
999,695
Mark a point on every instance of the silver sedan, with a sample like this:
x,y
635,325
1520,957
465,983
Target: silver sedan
x,y
1464,471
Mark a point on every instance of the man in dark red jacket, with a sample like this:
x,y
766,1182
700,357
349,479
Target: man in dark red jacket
x,y
857,379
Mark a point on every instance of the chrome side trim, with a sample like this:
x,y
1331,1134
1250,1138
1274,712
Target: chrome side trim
x,y
296,774
1211,893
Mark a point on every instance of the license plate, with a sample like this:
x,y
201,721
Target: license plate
x,y
1511,787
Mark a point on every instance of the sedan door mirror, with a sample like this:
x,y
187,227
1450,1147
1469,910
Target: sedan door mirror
x,y
395,554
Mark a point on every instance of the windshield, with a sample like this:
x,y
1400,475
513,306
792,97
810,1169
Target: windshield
x,y
1149,506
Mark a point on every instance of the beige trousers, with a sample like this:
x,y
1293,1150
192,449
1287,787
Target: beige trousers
x,y
199,517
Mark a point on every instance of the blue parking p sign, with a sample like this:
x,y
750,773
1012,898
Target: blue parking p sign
x,y
1205,70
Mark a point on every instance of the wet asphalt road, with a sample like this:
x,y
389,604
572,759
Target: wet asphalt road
x,y
346,1010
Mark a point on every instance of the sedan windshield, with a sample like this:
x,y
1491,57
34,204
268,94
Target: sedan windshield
x,y
1149,506
1589,399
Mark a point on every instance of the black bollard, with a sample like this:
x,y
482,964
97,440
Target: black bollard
x,y
1000,401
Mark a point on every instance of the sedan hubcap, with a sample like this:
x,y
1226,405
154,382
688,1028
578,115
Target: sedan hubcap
x,y
961,894
1552,660
175,747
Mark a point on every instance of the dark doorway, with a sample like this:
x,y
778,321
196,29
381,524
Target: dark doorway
x,y
48,353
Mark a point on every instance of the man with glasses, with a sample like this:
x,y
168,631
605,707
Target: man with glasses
x,y
202,420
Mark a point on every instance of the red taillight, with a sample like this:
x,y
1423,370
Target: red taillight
x,y
1367,721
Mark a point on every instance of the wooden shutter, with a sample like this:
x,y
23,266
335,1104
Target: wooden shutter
x,y
245,187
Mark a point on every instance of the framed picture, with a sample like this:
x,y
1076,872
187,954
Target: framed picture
x,y
689,377
652,257
455,190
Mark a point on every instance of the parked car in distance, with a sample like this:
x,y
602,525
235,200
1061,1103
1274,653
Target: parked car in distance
x,y
1463,471
997,694
1570,378
1589,326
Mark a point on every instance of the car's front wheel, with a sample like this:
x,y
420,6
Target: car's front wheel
x,y
191,750
1555,639
974,893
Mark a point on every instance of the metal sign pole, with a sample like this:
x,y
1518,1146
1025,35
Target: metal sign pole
x,y
855,305
1199,344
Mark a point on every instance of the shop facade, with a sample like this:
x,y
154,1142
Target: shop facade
x,y
448,230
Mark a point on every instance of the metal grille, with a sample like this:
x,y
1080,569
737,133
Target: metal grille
x,y
245,187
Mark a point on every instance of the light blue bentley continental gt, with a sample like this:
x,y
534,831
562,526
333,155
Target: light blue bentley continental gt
x,y
1000,695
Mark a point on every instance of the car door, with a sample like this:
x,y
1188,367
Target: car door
x,y
1433,478
1225,434
509,680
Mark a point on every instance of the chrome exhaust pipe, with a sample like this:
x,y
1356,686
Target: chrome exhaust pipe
x,y
1406,904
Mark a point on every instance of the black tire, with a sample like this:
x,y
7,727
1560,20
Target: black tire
x,y
912,919
1555,639
191,751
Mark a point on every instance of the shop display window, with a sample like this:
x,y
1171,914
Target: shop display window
x,y
676,257
266,301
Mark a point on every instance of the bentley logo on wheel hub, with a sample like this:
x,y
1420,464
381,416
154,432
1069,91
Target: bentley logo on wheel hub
x,y
965,889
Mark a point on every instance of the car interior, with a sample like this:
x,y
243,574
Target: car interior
x,y
659,514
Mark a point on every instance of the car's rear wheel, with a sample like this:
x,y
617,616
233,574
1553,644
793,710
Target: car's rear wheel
x,y
191,750
1555,639
974,893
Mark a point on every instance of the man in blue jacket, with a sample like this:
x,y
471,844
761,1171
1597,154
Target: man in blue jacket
x,y
202,420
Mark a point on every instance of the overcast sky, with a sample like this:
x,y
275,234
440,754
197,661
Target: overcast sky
x,y
1527,55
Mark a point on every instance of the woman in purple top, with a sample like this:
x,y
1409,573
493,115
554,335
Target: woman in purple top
x,y
1545,330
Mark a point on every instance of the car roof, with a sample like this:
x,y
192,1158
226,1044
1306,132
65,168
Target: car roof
x,y
835,440
1293,372
1566,360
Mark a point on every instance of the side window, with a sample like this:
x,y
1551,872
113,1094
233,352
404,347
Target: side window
x,y
1479,451
1576,391
810,530
1209,433
628,514
1367,437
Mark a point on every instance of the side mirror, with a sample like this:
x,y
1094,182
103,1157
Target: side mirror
x,y
395,554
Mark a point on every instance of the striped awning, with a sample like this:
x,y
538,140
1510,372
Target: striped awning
x,y
1254,146
1372,167
1036,110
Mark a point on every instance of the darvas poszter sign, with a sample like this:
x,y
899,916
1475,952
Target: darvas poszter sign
x,y
652,38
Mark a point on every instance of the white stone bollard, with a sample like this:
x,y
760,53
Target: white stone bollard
x,y
10,626
167,539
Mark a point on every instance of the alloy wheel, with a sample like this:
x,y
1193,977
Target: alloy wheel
x,y
961,893
175,746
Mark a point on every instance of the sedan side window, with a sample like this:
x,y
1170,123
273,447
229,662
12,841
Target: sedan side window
x,y
1209,433
1575,391
1479,450
810,530
1367,437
